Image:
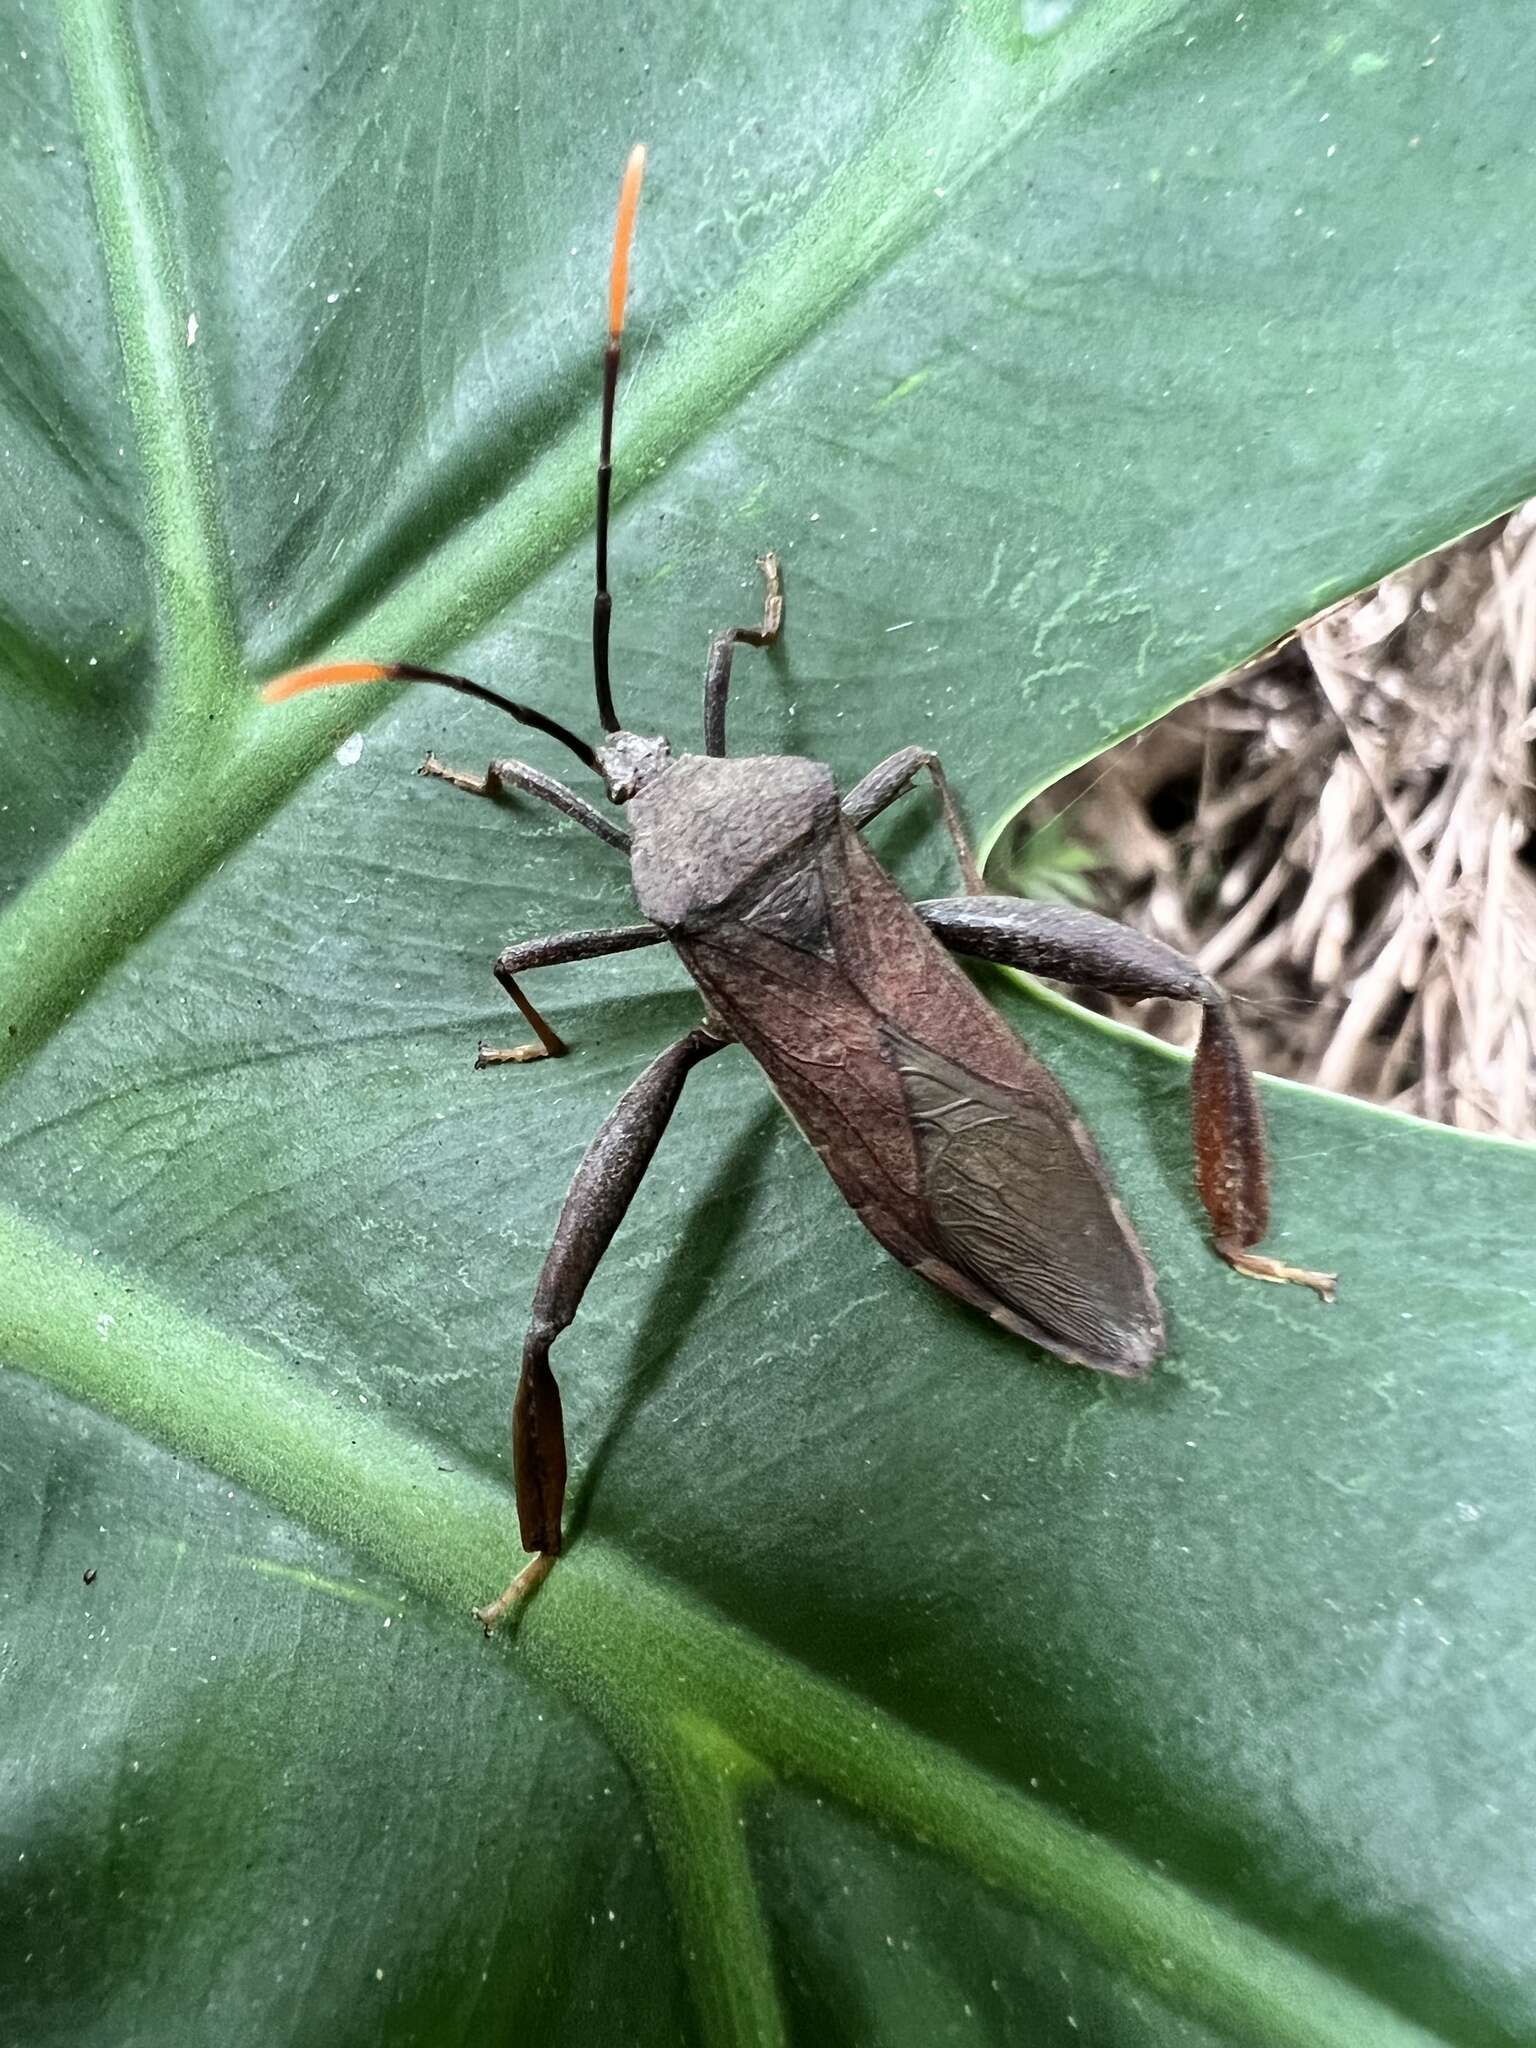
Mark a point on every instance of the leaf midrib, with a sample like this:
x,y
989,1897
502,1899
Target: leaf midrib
x,y
662,1676
147,283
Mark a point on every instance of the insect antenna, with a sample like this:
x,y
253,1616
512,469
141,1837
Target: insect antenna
x,y
298,680
618,292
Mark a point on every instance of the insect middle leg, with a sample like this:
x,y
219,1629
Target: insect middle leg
x,y
553,951
717,677
602,1191
501,776
1231,1169
895,777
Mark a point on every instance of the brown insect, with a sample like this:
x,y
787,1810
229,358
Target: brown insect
x,y
955,1147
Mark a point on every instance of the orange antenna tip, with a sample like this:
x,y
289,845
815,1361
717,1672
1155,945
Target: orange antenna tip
x,y
298,680
623,235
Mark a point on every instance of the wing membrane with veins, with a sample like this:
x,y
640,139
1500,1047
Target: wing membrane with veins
x,y
1012,1204
956,1148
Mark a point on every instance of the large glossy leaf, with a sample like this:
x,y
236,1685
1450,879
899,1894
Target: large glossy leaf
x,y
901,1686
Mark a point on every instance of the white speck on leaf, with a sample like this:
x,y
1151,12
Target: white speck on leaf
x,y
191,330
350,752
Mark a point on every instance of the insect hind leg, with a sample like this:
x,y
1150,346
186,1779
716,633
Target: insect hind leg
x,y
605,1184
1231,1163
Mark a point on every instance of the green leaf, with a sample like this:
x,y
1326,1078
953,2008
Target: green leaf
x,y
900,1684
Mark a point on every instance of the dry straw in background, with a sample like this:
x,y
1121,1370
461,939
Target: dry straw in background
x,y
1345,836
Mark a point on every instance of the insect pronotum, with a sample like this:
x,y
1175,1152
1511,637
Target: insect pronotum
x,y
957,1149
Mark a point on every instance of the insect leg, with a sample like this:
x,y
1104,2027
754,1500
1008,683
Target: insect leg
x,y
893,778
504,775
717,677
1231,1170
554,951
604,1186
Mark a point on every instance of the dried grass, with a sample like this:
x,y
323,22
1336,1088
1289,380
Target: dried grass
x,y
1345,836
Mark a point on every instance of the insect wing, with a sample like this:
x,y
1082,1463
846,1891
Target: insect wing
x,y
1018,1201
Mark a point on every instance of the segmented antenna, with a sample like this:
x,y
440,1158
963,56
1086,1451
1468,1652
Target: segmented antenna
x,y
321,677
298,680
618,292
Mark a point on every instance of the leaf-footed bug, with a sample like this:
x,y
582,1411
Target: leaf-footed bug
x,y
956,1148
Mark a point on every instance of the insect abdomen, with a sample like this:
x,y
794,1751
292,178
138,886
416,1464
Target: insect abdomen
x,y
958,1150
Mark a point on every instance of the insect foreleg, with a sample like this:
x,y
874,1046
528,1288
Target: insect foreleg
x,y
717,677
554,951
893,778
1074,945
504,775
604,1186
